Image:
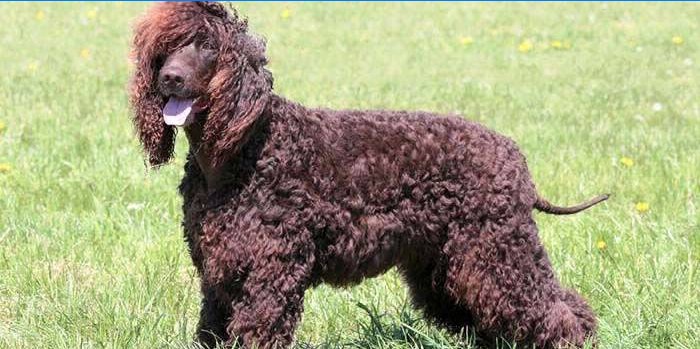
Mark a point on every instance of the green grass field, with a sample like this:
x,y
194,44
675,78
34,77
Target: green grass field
x,y
600,98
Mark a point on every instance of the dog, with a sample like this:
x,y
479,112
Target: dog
x,y
279,197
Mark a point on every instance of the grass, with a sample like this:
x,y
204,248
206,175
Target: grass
x,y
91,250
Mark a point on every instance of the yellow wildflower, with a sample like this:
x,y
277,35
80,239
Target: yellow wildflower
x,y
92,14
2,127
5,168
601,245
628,162
525,46
85,53
677,40
466,40
642,207
40,15
286,13
560,45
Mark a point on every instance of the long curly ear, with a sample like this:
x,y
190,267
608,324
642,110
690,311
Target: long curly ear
x,y
239,91
157,138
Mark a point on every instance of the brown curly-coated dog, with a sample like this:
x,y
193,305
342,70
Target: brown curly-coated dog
x,y
279,197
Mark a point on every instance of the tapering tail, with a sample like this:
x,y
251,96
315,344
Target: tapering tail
x,y
545,206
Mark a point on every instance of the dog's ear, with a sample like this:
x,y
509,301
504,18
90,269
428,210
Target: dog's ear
x,y
157,138
239,91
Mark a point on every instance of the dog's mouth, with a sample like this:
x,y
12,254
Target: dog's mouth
x,y
181,111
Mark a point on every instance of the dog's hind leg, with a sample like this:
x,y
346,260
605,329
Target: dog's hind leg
x,y
501,272
426,282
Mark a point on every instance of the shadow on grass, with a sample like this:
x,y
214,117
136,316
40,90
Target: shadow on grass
x,y
403,330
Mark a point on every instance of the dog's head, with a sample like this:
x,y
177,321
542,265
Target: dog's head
x,y
196,66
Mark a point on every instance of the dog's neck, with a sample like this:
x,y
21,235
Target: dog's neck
x,y
211,174
214,176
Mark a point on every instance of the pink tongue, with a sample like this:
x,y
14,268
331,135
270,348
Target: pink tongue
x,y
177,110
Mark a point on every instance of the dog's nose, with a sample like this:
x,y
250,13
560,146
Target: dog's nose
x,y
171,77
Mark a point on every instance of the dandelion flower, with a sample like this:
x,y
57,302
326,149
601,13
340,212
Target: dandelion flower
x,y
5,168
85,53
601,245
525,46
556,44
657,107
40,15
92,14
2,127
286,13
628,162
677,40
466,40
641,207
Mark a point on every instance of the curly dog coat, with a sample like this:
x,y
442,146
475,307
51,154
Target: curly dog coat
x,y
279,197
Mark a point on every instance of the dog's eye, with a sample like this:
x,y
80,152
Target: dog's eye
x,y
207,46
158,62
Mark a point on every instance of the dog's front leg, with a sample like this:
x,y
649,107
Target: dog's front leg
x,y
213,318
271,304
